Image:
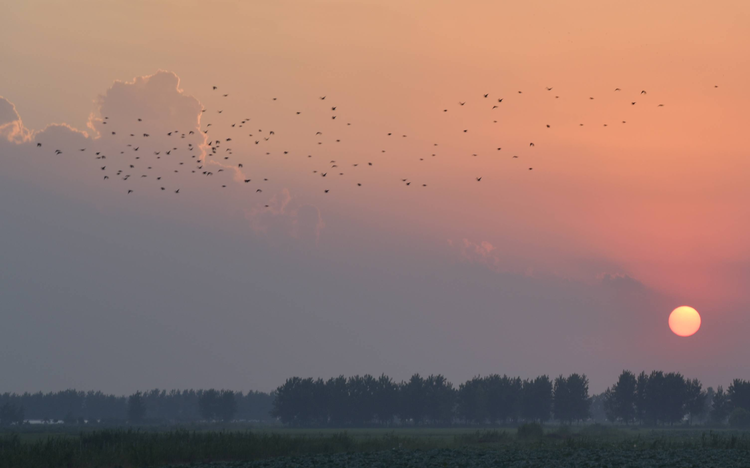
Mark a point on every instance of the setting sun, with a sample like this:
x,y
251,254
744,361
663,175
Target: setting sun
x,y
684,321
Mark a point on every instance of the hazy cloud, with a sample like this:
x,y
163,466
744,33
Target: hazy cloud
x,y
284,218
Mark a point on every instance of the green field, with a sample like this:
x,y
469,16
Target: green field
x,y
204,447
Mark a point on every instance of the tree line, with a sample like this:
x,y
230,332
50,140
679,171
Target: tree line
x,y
651,399
153,406
366,400
670,398
657,398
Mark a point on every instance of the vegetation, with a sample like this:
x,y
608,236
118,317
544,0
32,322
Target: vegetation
x,y
367,401
150,407
660,398
655,399
589,445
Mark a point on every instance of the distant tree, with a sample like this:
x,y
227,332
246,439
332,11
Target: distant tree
x,y
570,398
440,399
661,398
561,406
337,401
217,405
472,400
536,399
674,398
386,399
11,413
641,402
226,405
136,408
739,394
301,402
503,398
578,389
412,399
597,411
362,399
620,401
254,406
695,399
207,404
719,406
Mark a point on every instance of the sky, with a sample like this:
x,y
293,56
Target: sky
x,y
573,266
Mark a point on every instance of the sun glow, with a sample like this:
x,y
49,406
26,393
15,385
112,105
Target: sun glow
x,y
684,321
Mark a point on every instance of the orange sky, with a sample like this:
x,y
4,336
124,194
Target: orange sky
x,y
663,198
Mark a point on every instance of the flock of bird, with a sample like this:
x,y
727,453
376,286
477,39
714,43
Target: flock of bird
x,y
207,151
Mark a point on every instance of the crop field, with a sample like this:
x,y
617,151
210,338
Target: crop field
x,y
539,457
583,446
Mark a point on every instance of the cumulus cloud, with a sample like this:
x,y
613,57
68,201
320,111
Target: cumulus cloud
x,y
173,152
155,99
11,126
285,218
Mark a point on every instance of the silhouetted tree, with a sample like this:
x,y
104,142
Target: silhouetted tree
x,y
695,399
503,398
412,399
661,398
254,406
439,399
620,401
739,394
337,401
136,408
217,405
301,402
472,400
362,399
719,406
640,397
674,398
386,399
536,399
11,413
571,398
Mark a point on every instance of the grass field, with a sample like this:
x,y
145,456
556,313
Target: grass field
x,y
204,447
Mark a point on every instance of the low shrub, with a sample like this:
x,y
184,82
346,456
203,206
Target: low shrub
x,y
530,431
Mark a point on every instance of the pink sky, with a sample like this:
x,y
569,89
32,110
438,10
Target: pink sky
x,y
661,201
